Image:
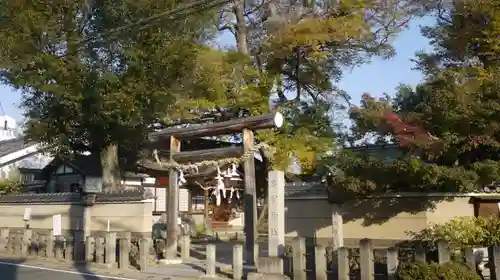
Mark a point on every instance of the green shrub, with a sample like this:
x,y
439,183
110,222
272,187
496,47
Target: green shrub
x,y
462,232
10,186
434,271
200,230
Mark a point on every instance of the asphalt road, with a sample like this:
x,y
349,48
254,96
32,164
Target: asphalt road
x,y
14,271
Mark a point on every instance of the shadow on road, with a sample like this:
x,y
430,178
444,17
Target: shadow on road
x,y
9,268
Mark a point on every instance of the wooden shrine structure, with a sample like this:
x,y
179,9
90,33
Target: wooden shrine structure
x,y
246,126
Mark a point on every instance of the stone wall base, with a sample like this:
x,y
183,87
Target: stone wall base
x,y
266,276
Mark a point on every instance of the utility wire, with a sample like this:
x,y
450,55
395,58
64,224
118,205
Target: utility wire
x,y
198,6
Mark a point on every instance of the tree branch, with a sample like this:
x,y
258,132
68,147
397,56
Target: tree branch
x,y
228,26
255,9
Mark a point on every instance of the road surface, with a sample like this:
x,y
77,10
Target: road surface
x,y
19,271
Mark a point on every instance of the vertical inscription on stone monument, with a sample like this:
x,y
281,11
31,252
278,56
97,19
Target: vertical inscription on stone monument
x,y
276,214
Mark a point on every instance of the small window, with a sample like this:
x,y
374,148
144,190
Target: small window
x,y
27,178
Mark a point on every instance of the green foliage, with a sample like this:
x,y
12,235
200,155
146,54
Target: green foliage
x,y
12,183
222,79
463,231
87,96
365,175
200,230
434,271
84,86
308,132
447,126
10,186
300,51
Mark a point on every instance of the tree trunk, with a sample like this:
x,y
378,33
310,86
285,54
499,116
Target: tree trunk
x,y
241,27
263,215
111,179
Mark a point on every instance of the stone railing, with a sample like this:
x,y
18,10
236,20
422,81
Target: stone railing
x,y
366,262
99,250
299,262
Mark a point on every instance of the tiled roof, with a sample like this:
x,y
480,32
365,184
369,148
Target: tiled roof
x,y
27,198
87,164
13,145
304,189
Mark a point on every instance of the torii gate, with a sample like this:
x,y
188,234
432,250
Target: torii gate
x,y
243,125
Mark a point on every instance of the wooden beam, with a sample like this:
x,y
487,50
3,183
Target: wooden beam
x,y
209,154
274,120
190,156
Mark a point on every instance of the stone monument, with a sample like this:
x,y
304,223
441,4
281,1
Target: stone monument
x,y
276,218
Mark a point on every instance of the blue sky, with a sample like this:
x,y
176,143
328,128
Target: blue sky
x,y
378,77
383,76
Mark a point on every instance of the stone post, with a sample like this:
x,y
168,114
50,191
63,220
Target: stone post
x,y
186,247
276,218
211,272
237,262
124,261
143,253
99,249
337,227
17,243
392,263
89,249
321,265
110,258
87,219
420,253
469,258
4,239
26,242
366,259
443,252
299,258
42,252
49,253
343,263
256,252
59,246
69,248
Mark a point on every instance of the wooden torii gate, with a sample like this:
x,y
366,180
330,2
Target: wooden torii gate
x,y
243,125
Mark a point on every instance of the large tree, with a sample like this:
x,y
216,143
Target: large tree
x,y
302,48
89,84
448,126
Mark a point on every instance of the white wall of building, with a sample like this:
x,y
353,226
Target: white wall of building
x,y
35,161
8,128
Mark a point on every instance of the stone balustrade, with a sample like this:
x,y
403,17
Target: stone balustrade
x,y
299,261
106,250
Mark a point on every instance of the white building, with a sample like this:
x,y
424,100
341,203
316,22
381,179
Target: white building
x,y
8,128
16,153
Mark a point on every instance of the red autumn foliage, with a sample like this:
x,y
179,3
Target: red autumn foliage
x,y
407,134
